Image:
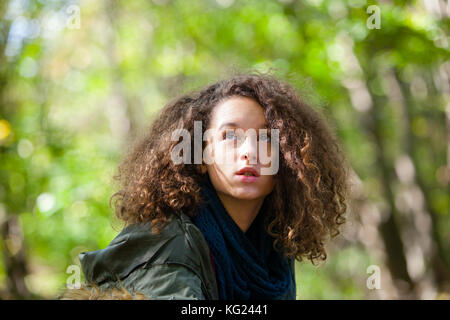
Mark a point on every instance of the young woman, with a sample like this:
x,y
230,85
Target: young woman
x,y
222,223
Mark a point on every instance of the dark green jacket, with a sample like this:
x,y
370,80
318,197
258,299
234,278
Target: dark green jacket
x,y
175,264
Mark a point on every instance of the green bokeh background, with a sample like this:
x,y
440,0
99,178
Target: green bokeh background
x,y
79,80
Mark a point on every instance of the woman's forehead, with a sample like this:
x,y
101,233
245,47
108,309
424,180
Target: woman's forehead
x,y
238,112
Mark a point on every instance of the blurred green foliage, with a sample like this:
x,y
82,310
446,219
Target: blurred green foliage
x,y
79,80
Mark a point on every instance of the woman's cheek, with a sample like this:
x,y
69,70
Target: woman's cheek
x,y
225,155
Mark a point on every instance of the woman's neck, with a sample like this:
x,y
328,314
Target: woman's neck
x,y
242,211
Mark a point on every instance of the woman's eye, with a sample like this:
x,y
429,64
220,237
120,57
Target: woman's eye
x,y
230,135
264,137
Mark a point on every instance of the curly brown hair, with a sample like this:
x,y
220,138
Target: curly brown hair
x,y
308,202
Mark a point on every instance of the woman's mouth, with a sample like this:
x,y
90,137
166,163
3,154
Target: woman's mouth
x,y
247,174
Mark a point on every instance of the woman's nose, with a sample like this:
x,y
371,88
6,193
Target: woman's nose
x,y
248,150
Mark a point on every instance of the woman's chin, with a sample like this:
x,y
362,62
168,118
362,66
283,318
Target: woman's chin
x,y
247,193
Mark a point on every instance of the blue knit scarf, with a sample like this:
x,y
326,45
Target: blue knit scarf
x,y
247,266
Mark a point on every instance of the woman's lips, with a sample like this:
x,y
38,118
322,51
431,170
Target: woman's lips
x,y
247,174
246,178
248,170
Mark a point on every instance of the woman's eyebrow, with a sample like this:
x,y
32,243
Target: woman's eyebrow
x,y
233,124
228,124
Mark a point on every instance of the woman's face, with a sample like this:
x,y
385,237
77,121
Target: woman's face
x,y
234,145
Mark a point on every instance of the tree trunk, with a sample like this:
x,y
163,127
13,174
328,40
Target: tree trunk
x,y
439,265
14,258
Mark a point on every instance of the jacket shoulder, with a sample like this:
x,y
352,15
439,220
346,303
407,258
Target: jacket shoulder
x,y
138,246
